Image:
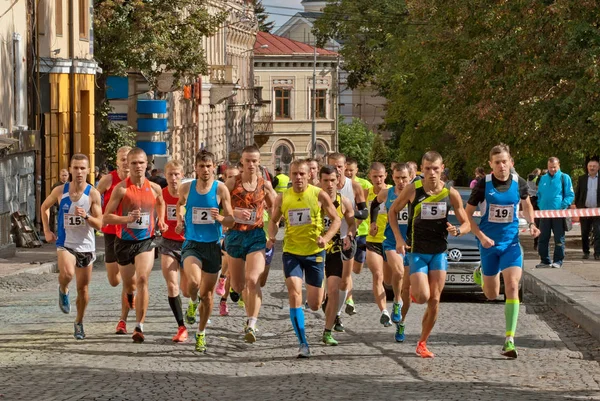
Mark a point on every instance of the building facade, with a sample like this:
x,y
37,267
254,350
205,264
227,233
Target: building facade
x,y
283,76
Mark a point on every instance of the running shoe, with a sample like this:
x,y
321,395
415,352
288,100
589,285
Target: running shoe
x,y
138,335
477,276
338,326
190,313
121,327
223,308
303,351
422,350
79,333
385,319
181,336
250,335
63,302
350,308
201,342
399,336
509,350
396,313
234,295
220,288
241,303
328,339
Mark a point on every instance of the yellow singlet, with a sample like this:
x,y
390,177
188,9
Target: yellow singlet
x,y
303,221
381,218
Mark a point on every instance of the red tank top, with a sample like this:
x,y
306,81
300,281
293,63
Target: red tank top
x,y
137,199
110,228
253,201
171,216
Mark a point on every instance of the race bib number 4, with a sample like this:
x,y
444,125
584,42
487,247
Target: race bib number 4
x,y
73,221
501,214
299,217
201,215
433,210
142,223
172,212
250,221
403,217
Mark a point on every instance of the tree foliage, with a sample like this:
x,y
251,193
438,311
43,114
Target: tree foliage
x,y
356,140
114,136
462,76
264,25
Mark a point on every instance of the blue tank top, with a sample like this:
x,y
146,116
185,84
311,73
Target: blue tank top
x,y
402,215
199,224
500,220
74,232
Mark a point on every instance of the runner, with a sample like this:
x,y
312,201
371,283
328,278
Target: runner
x,y
401,177
202,248
340,248
376,260
303,246
498,196
169,247
428,228
106,186
134,207
363,230
246,241
313,164
269,252
353,191
79,213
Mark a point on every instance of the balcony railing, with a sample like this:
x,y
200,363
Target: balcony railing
x,y
264,124
223,74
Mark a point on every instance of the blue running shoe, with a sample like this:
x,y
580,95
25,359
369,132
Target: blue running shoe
x,y
63,302
79,332
396,315
399,336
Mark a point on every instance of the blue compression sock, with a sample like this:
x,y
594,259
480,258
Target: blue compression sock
x,y
297,318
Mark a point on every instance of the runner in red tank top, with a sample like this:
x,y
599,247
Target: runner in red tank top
x,y
106,185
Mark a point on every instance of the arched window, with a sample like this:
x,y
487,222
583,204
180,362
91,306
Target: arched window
x,y
283,157
320,151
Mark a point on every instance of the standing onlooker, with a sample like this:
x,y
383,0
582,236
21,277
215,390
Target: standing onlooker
x,y
555,192
157,178
532,187
588,196
479,174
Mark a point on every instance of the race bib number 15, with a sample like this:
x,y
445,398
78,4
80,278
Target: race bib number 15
x,y
433,210
72,221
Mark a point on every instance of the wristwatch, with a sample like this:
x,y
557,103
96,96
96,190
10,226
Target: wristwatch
x,y
457,232
529,225
87,216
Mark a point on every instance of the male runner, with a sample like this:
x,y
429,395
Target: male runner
x,y
202,248
169,247
340,248
428,227
79,213
413,171
353,191
498,196
106,186
246,241
313,165
363,230
401,177
134,207
304,243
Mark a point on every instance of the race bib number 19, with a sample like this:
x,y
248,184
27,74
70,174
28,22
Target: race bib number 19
x,y
501,213
433,210
299,217
142,223
201,215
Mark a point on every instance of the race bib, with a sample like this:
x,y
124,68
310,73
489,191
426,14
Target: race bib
x,y
251,221
73,221
142,223
326,223
201,215
172,212
299,217
501,214
433,210
382,209
403,217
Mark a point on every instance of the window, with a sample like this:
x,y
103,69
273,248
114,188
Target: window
x,y
283,157
321,151
84,22
59,17
282,103
321,110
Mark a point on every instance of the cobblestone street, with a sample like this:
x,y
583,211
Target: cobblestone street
x,y
39,359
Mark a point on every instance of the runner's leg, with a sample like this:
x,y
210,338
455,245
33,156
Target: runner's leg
x,y
83,276
437,279
375,264
66,270
255,266
143,266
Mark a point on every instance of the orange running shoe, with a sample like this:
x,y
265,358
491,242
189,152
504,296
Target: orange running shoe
x,y
422,350
138,336
181,336
121,327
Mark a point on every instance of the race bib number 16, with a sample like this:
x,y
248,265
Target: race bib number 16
x,y
403,216
433,210
299,217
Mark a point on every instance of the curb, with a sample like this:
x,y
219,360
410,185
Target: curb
x,y
580,310
52,267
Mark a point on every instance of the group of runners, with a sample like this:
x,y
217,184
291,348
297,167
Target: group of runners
x,y
220,237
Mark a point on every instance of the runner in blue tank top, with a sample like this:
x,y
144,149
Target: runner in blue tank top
x,y
498,196
401,176
78,215
199,219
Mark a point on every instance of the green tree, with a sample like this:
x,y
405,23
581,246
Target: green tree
x,y
264,25
356,140
379,151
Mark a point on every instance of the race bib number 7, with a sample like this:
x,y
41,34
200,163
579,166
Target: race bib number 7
x,y
142,223
299,217
501,213
73,221
433,210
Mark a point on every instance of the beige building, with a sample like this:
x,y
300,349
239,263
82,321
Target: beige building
x,y
283,74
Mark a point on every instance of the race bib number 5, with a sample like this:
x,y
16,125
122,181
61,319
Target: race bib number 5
x,y
501,213
433,210
172,212
73,221
403,217
201,215
299,217
142,223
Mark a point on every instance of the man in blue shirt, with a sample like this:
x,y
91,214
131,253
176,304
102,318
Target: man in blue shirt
x,y
555,192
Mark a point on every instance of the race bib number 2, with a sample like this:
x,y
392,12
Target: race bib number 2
x,y
299,217
172,212
73,221
433,210
142,223
201,215
501,213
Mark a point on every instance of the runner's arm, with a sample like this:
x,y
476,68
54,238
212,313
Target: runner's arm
x,y
183,192
110,216
381,198
95,216
329,208
529,214
470,210
227,218
407,194
52,199
349,217
361,212
161,207
270,195
275,219
459,211
104,183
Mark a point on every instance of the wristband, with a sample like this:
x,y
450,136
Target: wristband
x,y
87,216
530,224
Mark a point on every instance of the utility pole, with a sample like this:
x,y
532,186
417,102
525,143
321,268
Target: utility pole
x,y
313,139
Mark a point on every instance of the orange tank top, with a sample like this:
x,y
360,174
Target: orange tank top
x,y
142,199
253,201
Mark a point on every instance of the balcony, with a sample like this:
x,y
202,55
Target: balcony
x,y
264,124
223,74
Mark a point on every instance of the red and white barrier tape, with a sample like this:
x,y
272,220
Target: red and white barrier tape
x,y
541,214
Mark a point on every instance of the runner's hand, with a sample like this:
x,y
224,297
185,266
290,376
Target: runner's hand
x,y
452,229
134,215
179,228
373,229
242,214
50,236
270,243
321,242
487,242
401,247
347,243
79,211
534,231
214,212
164,227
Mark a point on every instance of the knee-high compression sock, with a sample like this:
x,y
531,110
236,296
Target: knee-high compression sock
x,y
297,318
341,300
175,304
511,313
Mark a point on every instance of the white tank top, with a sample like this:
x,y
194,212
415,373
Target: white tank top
x,y
348,192
74,232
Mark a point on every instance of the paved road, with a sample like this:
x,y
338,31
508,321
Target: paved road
x,y
39,359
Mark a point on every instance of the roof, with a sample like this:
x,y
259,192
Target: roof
x,y
311,16
280,46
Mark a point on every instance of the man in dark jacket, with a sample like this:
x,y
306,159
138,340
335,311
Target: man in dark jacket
x,y
588,196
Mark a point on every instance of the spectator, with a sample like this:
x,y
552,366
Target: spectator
x,y
446,178
479,174
588,196
157,178
532,186
555,192
280,181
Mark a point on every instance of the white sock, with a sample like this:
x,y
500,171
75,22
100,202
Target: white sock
x,y
201,331
140,326
341,299
510,338
385,312
252,322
